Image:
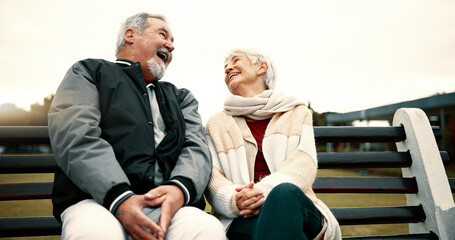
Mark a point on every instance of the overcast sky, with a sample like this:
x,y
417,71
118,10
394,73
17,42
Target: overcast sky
x,y
340,55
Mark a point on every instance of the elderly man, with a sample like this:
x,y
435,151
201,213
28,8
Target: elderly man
x,y
132,157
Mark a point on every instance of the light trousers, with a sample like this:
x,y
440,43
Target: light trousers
x,y
89,220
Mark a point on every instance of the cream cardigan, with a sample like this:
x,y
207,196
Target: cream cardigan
x,y
289,151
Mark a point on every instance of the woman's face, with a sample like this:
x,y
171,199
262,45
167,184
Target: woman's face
x,y
241,75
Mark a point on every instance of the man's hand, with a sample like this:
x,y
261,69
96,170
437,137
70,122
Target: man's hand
x,y
173,201
135,222
249,200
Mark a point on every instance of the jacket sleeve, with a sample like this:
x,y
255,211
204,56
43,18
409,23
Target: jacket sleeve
x,y
194,164
74,131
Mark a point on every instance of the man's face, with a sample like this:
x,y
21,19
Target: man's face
x,y
154,47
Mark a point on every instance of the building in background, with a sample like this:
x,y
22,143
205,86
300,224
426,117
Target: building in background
x,y
439,108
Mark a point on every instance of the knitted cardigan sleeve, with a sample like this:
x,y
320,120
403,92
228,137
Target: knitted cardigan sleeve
x,y
221,195
220,191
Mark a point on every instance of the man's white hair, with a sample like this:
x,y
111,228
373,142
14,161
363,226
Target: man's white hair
x,y
137,22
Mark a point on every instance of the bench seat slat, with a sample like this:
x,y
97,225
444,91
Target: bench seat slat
x,y
331,160
389,159
379,215
365,185
40,135
29,226
345,216
27,164
358,134
419,236
334,134
43,190
24,135
24,191
326,160
452,184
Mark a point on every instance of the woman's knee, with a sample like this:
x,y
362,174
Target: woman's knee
x,y
286,191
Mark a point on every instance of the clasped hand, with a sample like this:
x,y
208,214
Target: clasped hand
x,y
137,224
249,199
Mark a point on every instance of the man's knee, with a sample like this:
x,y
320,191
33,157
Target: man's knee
x,y
93,231
209,226
90,220
192,223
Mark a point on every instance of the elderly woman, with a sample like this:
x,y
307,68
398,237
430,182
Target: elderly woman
x,y
264,158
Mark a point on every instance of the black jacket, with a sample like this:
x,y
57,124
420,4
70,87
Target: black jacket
x,y
101,131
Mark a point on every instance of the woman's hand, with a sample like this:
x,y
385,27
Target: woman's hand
x,y
249,199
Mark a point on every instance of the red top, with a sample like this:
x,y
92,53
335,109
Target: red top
x,y
257,128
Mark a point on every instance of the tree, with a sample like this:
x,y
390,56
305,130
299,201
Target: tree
x,y
318,118
10,115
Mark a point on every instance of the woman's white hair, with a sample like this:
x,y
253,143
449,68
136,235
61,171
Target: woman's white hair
x,y
137,22
257,57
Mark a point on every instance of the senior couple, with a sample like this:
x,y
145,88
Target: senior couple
x,y
134,160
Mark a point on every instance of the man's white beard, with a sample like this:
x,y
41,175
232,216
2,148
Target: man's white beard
x,y
156,68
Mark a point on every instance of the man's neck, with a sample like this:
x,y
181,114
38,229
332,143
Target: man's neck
x,y
146,74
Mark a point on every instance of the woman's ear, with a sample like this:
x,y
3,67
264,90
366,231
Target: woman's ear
x,y
262,68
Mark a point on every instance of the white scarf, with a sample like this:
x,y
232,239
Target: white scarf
x,y
261,106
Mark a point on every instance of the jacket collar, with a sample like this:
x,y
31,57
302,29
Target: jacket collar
x,y
124,61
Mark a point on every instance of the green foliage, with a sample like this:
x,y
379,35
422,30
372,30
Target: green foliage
x,y
318,118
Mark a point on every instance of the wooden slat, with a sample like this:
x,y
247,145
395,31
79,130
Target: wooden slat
x,y
365,185
445,157
364,134
24,135
418,236
29,226
326,160
379,215
363,159
331,160
24,191
437,132
27,164
40,135
359,134
43,190
32,226
452,184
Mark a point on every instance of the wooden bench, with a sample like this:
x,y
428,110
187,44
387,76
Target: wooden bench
x,y
430,209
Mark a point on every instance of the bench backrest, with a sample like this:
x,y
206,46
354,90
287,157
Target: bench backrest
x,y
415,212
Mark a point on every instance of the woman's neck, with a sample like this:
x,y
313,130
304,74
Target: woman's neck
x,y
249,91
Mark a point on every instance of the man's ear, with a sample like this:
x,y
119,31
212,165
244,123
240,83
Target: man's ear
x,y
262,68
129,35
